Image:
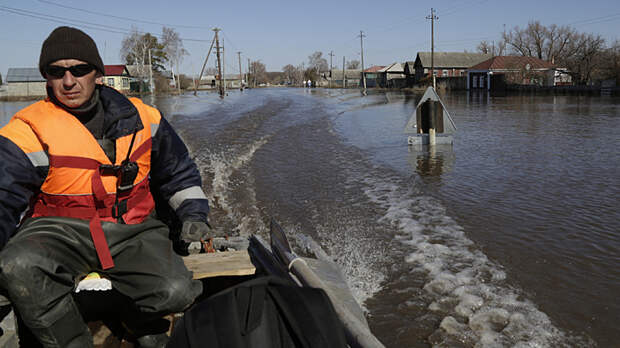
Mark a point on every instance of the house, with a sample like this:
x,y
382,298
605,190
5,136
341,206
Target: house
x,y
392,75
352,77
117,77
446,64
232,81
207,82
495,72
140,76
212,81
372,75
25,83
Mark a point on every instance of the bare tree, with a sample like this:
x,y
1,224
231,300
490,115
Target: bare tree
x,y
173,48
537,37
317,62
353,64
291,73
558,39
586,60
258,72
519,41
496,49
536,40
484,47
135,49
299,74
560,45
611,62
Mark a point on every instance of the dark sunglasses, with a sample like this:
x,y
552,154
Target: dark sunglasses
x,y
76,70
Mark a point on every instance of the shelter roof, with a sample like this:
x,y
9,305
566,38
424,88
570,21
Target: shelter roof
x,y
24,75
512,63
452,59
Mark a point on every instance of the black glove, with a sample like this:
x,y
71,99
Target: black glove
x,y
194,231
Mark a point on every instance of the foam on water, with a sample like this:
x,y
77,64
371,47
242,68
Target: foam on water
x,y
223,165
480,308
356,259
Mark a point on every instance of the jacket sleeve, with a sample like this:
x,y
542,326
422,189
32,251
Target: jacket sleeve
x,y
22,172
175,179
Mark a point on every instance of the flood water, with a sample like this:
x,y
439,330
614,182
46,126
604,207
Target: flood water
x,y
508,238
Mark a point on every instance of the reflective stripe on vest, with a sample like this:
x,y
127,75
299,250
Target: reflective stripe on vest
x,y
79,182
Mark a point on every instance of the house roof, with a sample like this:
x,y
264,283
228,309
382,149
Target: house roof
x,y
374,68
395,68
461,60
24,75
116,70
134,69
512,63
409,67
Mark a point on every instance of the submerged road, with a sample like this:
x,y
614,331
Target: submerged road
x,y
505,239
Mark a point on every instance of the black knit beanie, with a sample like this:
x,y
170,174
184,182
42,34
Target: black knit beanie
x,y
69,43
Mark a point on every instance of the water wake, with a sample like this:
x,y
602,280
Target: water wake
x,y
224,193
479,308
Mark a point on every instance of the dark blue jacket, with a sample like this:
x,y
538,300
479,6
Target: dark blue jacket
x,y
175,179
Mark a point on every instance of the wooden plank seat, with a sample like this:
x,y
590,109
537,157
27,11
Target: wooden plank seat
x,y
229,263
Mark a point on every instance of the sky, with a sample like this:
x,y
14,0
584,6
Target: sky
x,y
286,32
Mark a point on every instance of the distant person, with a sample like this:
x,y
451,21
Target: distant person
x,y
80,171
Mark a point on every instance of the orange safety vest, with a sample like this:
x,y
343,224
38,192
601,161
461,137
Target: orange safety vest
x,y
82,182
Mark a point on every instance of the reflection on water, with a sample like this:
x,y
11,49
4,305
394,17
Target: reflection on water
x,y
431,160
8,109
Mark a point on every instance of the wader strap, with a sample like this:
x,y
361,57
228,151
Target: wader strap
x,y
96,231
101,245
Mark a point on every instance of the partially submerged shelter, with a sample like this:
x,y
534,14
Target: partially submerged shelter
x,y
431,123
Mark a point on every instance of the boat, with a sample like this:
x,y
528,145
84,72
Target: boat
x,y
431,122
237,259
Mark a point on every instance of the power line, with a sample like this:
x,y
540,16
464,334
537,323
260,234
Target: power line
x,y
61,20
119,17
72,21
597,20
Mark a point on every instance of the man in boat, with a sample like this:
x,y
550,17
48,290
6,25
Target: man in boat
x,y
78,175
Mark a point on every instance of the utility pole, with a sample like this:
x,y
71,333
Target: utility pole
x,y
219,62
247,78
178,78
362,36
331,55
432,17
223,66
344,76
240,74
151,73
203,66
